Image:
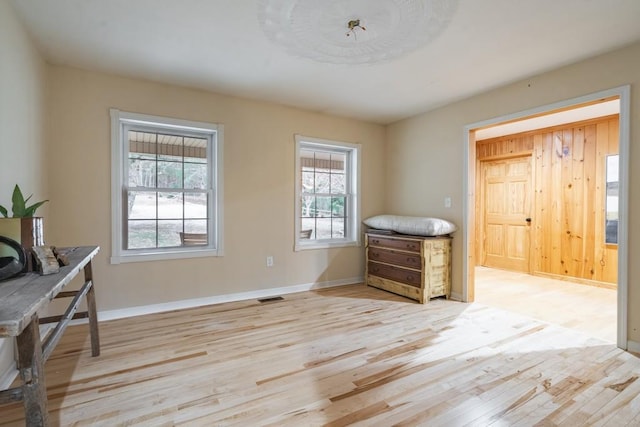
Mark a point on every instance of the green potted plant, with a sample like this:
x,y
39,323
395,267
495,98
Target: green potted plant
x,y
22,226
19,206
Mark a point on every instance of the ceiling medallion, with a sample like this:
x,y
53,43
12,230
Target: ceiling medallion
x,y
354,31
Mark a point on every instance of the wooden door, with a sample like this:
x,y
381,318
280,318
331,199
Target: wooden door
x,y
506,210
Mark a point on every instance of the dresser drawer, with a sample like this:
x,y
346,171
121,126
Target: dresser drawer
x,y
402,244
412,266
389,256
402,275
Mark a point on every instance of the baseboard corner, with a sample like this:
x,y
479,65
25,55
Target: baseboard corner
x,y
8,376
633,347
455,296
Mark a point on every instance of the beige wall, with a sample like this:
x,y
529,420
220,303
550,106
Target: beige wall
x,y
22,121
425,154
22,118
258,188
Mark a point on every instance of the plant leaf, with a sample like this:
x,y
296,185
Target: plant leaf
x,y
18,203
19,206
32,209
17,194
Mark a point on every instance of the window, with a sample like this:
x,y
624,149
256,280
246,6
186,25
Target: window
x,y
327,196
166,188
612,192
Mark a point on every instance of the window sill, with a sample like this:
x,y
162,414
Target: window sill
x,y
166,255
323,245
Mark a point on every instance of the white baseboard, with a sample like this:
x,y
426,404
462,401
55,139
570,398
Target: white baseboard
x,y
633,346
218,299
8,376
8,370
455,296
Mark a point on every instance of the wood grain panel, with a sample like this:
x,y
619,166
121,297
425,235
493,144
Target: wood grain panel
x,y
538,261
506,202
567,208
555,206
568,178
590,200
516,242
494,240
504,147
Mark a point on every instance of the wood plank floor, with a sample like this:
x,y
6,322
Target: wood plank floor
x,y
585,308
341,356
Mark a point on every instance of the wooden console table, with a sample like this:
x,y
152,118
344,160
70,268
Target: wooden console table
x,y
20,301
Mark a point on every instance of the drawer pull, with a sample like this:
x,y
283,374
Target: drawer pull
x,y
411,260
409,278
376,241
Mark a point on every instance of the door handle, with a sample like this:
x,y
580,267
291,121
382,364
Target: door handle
x,y
528,220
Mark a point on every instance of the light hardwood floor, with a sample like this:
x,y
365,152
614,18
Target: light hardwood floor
x,y
585,308
341,356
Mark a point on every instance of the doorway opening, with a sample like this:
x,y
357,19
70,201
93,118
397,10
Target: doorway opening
x,y
540,204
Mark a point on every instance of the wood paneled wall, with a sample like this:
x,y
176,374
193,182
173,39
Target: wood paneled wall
x,y
568,209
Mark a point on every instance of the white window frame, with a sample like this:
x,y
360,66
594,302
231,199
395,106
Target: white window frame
x,y
119,155
352,223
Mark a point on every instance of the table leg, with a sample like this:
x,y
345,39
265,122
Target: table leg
x,y
93,314
31,367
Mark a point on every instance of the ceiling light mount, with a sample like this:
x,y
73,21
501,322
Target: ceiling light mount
x,y
316,29
353,25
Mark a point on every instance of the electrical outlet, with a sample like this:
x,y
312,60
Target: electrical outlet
x,y
447,202
269,261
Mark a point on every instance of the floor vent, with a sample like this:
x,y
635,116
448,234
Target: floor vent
x,y
271,299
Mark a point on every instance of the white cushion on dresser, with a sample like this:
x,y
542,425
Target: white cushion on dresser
x,y
416,225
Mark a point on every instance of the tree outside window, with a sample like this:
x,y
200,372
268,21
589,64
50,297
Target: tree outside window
x,y
327,175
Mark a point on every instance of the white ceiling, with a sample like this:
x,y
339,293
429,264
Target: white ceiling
x,y
218,45
592,111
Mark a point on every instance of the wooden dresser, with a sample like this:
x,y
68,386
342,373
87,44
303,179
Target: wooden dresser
x,y
412,266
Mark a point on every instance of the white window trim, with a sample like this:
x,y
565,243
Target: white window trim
x,y
353,216
118,150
